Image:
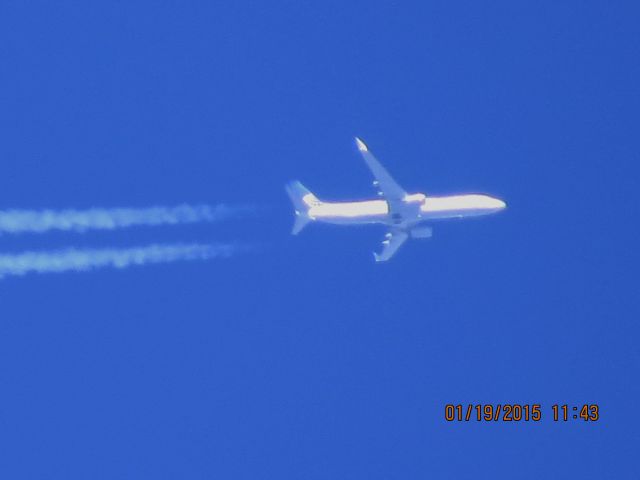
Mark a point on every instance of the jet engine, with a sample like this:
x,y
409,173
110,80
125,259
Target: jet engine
x,y
422,232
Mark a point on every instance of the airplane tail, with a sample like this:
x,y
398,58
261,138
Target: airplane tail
x,y
302,200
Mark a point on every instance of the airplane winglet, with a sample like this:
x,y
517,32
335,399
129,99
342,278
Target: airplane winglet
x,y
386,185
361,145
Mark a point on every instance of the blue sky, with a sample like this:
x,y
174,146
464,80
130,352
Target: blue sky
x,y
305,359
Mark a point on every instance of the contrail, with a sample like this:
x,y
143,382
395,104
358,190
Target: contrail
x,y
80,260
39,221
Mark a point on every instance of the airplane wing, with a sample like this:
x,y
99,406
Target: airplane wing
x,y
384,182
393,241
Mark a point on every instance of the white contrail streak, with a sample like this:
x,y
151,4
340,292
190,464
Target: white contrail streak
x,y
39,221
80,260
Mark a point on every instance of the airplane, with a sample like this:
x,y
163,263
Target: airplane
x,y
402,212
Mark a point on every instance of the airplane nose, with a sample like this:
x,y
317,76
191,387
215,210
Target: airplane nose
x,y
496,204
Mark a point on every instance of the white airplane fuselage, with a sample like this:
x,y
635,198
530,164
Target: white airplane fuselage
x,y
414,209
402,212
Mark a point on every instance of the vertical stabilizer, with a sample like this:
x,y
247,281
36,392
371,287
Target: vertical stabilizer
x,y
302,200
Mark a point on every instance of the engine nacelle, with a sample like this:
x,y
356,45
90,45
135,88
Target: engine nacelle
x,y
422,232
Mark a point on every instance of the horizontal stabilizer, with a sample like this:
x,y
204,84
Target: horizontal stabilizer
x,y
302,200
300,222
